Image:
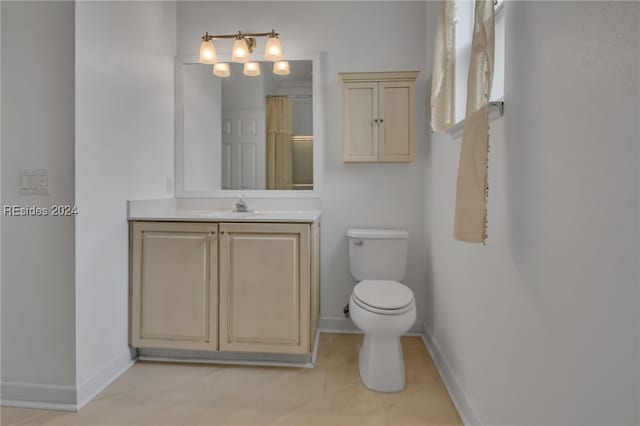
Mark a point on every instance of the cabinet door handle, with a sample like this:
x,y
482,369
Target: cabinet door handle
x,y
375,120
381,120
222,232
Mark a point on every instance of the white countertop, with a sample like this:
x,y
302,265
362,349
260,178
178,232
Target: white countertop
x,y
301,216
219,210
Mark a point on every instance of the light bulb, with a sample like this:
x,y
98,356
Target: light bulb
x,y
281,68
251,69
221,69
208,53
273,49
240,52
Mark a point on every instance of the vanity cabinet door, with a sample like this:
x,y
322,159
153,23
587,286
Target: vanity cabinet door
x,y
265,287
174,285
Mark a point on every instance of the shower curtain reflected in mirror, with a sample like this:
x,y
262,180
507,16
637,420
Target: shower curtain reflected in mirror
x,y
279,132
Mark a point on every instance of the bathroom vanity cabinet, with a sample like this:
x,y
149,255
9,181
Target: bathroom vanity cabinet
x,y
378,116
225,287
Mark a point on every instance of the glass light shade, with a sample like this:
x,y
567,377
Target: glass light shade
x,y
281,68
251,69
240,52
208,53
273,49
221,69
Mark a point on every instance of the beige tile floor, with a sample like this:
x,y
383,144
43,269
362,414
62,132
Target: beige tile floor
x,y
167,394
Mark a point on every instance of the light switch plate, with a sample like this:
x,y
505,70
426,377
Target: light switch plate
x,y
34,182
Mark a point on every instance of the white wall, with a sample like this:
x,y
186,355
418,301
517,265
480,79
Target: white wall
x,y
357,36
540,327
302,121
124,150
38,312
0,199
240,92
202,115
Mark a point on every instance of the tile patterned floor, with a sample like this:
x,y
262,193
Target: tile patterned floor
x,y
167,394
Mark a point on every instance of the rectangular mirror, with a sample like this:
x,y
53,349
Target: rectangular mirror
x,y
244,133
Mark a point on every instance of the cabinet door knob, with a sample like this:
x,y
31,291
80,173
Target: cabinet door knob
x,y
381,120
222,232
375,120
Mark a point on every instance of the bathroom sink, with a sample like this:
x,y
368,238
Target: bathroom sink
x,y
216,213
227,214
248,215
261,215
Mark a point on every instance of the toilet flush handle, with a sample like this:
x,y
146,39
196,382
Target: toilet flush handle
x,y
358,243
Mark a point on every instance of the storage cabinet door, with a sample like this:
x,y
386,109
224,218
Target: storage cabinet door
x,y
397,121
360,126
174,291
264,288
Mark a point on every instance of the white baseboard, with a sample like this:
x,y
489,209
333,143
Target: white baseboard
x,y
458,396
224,357
64,397
95,384
226,362
337,325
68,398
345,325
39,395
39,405
314,351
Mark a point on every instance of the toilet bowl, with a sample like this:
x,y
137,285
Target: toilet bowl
x,y
384,311
380,305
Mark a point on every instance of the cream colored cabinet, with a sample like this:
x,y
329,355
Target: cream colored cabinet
x,y
241,287
378,113
174,285
265,287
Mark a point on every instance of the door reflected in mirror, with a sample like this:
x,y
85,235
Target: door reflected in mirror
x,y
247,132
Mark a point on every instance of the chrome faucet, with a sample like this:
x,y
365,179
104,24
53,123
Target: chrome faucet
x,y
241,205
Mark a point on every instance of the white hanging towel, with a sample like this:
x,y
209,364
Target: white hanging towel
x,y
471,196
443,78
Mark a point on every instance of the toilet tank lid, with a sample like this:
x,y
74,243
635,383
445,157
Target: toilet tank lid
x,y
377,233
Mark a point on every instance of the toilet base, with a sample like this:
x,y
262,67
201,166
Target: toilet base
x,y
381,364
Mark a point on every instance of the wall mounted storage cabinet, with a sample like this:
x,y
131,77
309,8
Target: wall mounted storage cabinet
x,y
228,287
378,116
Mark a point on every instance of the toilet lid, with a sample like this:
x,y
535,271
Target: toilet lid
x,y
383,294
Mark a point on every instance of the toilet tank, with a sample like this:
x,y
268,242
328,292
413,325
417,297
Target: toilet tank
x,y
378,254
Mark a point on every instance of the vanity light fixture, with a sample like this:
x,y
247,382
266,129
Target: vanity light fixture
x,y
208,53
251,69
243,46
221,69
281,68
273,49
240,52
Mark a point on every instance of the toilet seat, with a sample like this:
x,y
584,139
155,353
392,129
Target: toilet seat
x,y
383,297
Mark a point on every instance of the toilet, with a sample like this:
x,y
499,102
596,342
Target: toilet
x,y
380,305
